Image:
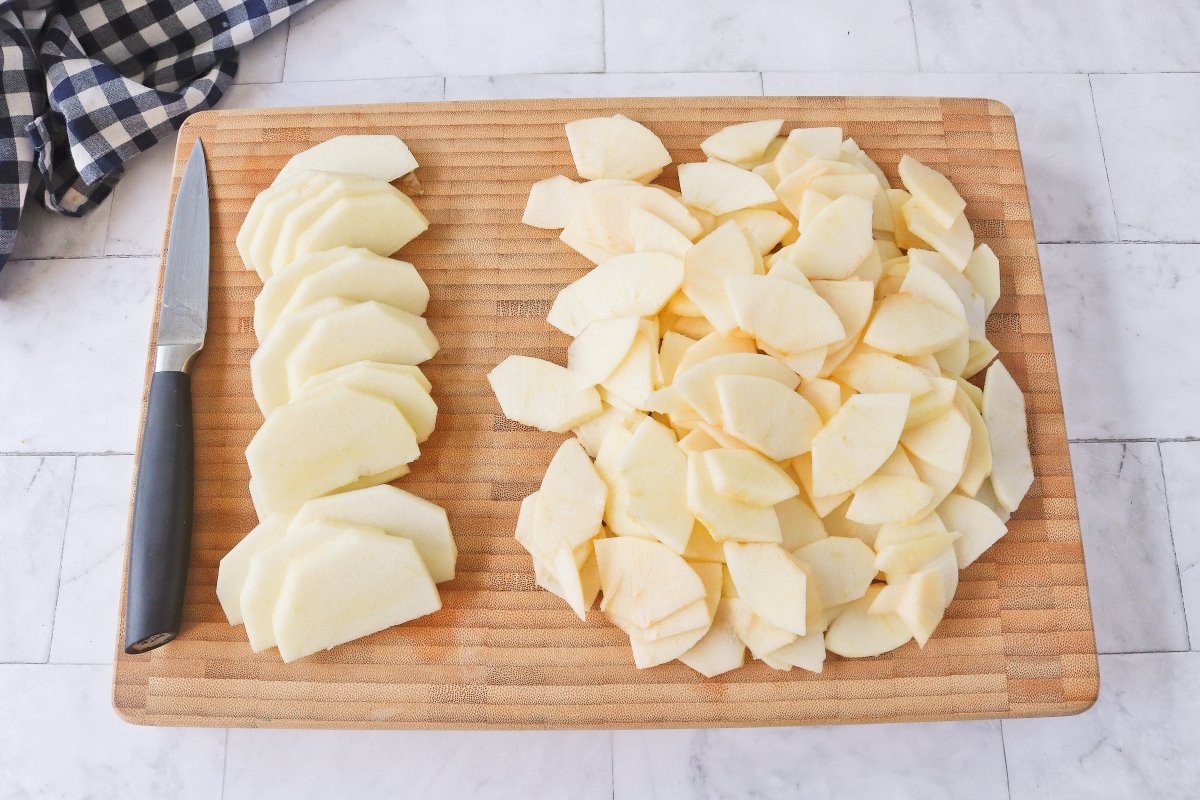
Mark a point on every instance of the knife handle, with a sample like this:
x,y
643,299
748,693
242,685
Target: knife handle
x,y
161,538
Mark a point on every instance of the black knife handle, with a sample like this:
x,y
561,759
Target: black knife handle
x,y
161,538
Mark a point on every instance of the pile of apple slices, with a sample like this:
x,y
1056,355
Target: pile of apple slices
x,y
776,445
337,555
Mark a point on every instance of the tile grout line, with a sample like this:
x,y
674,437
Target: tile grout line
x,y
1162,467
612,763
287,41
1004,756
762,85
912,18
1135,440
72,453
1104,157
445,80
224,764
603,37
62,552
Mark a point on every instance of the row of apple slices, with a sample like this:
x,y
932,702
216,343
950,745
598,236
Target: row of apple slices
x,y
336,555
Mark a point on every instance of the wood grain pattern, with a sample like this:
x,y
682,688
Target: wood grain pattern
x,y
1017,641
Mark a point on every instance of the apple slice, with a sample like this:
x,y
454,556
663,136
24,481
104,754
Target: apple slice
x,y
231,575
599,349
570,505
671,352
835,186
727,519
807,652
906,557
362,332
909,325
382,222
719,650
888,498
955,241
720,188
919,600
396,513
822,504
579,584
697,385
979,526
644,581
633,285
781,314
268,365
381,156
973,302
548,206
636,377
652,474
851,299
1004,414
857,440
755,632
871,372
747,477
702,547
318,608
798,524
391,382
978,464
932,190
767,415
857,633
836,241
933,403
823,395
278,289
979,356
922,281
746,141
600,213
615,147
721,254
770,582
983,270
652,233
842,567
314,446
542,395
591,433
942,442
805,143
714,344
764,227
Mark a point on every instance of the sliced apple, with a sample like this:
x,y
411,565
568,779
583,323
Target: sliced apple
x,y
812,203
381,156
746,141
910,325
719,650
394,382
599,349
542,395
652,474
314,446
798,524
979,526
592,432
548,206
722,254
770,582
805,143
697,385
702,547
767,415
872,372
943,442
932,190
747,477
907,556
231,575
919,600
633,285
781,314
983,270
714,344
888,498
727,519
760,636
857,440
822,504
600,213
570,505
720,188
955,241
652,233
636,377
644,581
843,567
671,352
836,241
615,147
857,633
1004,414
823,395
851,299
764,227
980,355
383,222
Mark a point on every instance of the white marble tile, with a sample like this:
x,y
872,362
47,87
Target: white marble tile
x,y
1148,124
61,739
261,60
754,35
73,353
328,93
1132,577
44,234
1139,741
89,587
139,203
1181,469
887,761
1064,164
384,38
677,84
1124,320
34,494
1064,36
522,765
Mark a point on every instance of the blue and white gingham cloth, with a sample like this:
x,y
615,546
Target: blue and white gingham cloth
x,y
89,84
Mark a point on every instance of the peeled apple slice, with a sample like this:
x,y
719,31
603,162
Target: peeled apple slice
x,y
392,382
720,255
745,141
363,332
805,143
874,372
857,633
548,206
919,600
764,227
1004,415
541,394
841,566
383,157
277,290
770,582
978,464
789,318
268,365
633,285
747,477
719,188
983,270
942,442
579,584
652,233
570,505
932,190
807,652
719,650
955,241
697,385
600,348
644,581
888,498
615,147
652,474
978,525
318,608
909,325
856,441
767,415
836,241
232,573
396,513
727,519
311,447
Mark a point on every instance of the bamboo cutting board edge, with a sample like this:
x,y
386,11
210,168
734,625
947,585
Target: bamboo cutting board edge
x,y
183,681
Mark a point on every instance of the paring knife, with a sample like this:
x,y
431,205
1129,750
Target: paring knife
x,y
161,535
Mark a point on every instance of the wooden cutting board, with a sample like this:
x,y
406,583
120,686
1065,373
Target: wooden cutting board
x,y
1017,641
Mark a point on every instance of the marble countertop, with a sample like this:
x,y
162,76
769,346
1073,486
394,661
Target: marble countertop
x,y
1107,100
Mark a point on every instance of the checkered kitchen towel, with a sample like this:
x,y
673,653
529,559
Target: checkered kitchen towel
x,y
89,84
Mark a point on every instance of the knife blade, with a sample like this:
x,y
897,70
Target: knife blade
x,y
161,532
